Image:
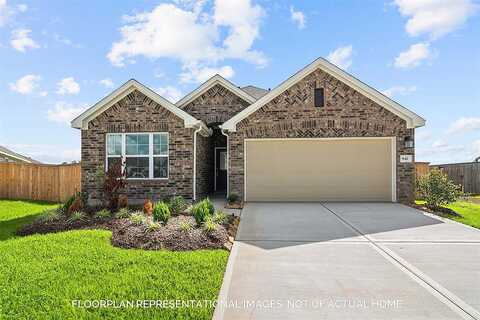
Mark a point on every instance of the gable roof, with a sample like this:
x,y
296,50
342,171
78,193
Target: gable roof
x,y
216,79
255,92
413,120
81,122
9,153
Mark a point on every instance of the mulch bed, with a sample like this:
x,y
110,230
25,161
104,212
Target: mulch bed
x,y
126,234
234,205
439,212
43,227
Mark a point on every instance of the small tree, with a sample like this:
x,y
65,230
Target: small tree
x,y
437,190
114,180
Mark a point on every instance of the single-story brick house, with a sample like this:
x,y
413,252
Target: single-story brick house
x,y
320,135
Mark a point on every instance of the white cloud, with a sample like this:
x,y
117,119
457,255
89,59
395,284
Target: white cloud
x,y
413,56
298,17
435,17
243,21
341,57
63,40
442,148
26,84
156,34
423,135
5,12
107,83
196,74
64,112
188,32
68,86
439,144
464,125
22,7
21,41
399,90
43,93
170,93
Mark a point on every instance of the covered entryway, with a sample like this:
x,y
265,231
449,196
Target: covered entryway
x,y
336,169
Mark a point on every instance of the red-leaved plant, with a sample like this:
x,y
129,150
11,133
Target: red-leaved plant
x,y
114,181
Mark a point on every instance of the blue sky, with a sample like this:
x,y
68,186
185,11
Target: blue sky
x,y
58,59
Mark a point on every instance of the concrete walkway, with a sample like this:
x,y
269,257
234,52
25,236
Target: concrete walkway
x,y
350,261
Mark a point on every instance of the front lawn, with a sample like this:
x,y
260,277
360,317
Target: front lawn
x,y
41,275
469,211
14,213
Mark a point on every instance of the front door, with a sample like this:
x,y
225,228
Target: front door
x,y
221,169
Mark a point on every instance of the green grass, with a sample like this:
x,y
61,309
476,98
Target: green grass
x,y
40,275
469,211
14,213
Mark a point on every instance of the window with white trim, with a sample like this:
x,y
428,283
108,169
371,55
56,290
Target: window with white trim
x,y
145,154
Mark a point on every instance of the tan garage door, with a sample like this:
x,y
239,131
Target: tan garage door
x,y
319,170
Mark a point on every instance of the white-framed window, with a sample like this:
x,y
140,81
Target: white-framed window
x,y
145,154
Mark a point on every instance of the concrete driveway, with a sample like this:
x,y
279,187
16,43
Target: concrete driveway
x,y
350,261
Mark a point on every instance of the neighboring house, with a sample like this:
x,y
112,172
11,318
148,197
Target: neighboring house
x,y
321,135
7,155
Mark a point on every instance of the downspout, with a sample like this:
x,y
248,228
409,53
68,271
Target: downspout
x,y
195,162
228,161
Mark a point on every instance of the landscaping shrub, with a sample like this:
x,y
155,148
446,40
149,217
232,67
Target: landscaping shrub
x,y
152,226
148,207
185,226
50,215
209,225
202,210
123,213
76,216
103,214
232,198
219,217
161,212
122,201
437,190
113,181
67,204
76,206
137,218
177,204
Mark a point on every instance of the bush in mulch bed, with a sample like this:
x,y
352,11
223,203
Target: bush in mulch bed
x,y
440,211
172,236
180,233
63,223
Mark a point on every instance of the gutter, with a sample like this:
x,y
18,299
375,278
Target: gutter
x,y
195,161
199,127
223,131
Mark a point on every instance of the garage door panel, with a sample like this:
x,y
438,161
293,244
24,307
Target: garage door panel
x,y
319,170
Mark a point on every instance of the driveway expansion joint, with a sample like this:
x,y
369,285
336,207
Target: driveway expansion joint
x,y
444,295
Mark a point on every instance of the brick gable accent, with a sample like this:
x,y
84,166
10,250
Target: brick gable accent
x,y
347,113
216,105
138,113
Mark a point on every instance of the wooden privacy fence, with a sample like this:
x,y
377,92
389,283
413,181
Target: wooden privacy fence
x,y
421,168
39,181
465,174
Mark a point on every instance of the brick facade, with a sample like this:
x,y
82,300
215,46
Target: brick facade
x,y
138,113
347,113
292,114
204,179
216,105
